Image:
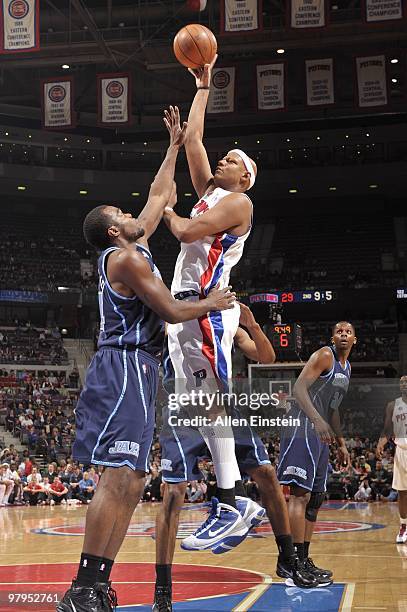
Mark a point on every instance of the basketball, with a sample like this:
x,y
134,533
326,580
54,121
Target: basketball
x,y
195,45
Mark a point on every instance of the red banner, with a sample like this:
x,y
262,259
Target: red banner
x,y
19,26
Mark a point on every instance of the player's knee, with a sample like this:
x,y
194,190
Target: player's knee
x,y
174,495
315,502
123,483
300,495
264,475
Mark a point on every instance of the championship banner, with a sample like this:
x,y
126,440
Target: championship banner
x,y
57,103
114,99
372,84
307,13
19,26
270,87
383,10
241,15
222,93
320,82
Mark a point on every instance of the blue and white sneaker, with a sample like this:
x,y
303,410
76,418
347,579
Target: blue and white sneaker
x,y
252,513
224,529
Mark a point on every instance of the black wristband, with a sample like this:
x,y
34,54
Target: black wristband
x,y
203,87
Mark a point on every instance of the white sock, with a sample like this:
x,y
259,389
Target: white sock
x,y
221,444
403,521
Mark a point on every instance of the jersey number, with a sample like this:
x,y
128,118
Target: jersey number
x,y
336,401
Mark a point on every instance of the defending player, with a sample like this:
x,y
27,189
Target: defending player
x,y
181,449
395,424
212,242
115,414
304,452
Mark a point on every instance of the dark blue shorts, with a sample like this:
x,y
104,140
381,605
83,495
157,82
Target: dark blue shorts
x,y
115,414
304,458
183,447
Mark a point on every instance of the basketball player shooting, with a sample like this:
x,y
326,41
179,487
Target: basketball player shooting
x,y
212,242
395,424
115,414
181,450
304,451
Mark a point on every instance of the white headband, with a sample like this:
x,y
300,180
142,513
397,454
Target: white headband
x,y
248,165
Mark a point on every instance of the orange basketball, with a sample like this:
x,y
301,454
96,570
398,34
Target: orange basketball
x,y
195,45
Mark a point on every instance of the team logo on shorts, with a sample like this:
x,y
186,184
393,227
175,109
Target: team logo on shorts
x,y
125,447
18,9
57,93
221,79
114,89
296,471
200,375
166,464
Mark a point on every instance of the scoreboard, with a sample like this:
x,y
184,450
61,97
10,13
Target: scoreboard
x,y
286,339
294,297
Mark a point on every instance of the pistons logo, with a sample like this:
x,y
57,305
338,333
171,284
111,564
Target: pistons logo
x,y
18,9
57,93
200,208
114,89
221,79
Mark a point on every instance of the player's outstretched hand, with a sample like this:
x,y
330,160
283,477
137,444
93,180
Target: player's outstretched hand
x,y
221,299
203,74
246,316
323,430
172,123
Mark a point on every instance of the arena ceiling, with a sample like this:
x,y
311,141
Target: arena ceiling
x,y
96,36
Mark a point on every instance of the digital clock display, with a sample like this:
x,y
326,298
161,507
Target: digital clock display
x,y
286,338
294,297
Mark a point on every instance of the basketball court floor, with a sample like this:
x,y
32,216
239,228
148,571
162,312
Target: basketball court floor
x,y
40,547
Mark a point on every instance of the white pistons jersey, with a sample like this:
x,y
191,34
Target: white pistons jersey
x,y
208,261
399,419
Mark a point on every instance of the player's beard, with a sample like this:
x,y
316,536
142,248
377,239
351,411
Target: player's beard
x,y
139,233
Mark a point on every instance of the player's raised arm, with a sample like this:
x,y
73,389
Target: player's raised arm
x,y
387,430
233,215
131,269
199,167
254,345
162,187
318,363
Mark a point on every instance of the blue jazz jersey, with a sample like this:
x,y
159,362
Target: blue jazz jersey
x,y
303,457
115,414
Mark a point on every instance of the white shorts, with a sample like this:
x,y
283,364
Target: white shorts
x,y
400,469
201,350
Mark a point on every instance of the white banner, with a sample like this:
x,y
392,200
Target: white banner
x,y
372,85
383,10
222,94
57,103
19,22
307,13
270,86
320,81
114,98
239,15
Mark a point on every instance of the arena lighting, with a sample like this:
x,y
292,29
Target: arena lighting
x,y
258,141
65,139
292,191
65,66
394,80
6,133
394,60
188,195
29,136
122,142
318,137
287,140
346,135
332,189
135,194
145,144
83,192
373,186
367,134
21,188
88,140
236,142
280,51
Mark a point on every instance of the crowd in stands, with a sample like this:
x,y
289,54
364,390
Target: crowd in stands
x,y
29,345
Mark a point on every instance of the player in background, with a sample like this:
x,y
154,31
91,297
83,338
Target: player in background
x,y
212,242
115,414
179,468
395,424
304,452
